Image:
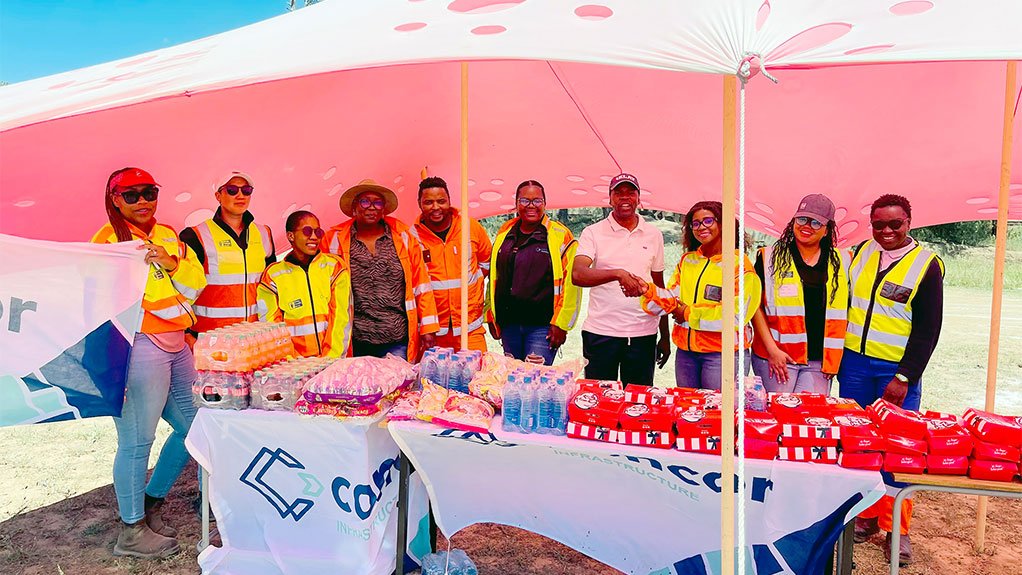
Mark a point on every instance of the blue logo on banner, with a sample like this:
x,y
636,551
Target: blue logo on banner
x,y
262,463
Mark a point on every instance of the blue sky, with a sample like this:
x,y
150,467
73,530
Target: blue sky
x,y
43,37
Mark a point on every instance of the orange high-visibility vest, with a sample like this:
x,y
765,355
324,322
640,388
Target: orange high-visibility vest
x,y
785,309
697,282
315,303
443,260
168,295
232,275
420,307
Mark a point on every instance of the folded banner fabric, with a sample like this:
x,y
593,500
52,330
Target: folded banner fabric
x,y
639,509
68,316
294,495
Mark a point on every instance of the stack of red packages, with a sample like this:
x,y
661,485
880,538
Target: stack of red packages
x,y
649,395
949,444
905,433
761,432
594,412
807,431
862,446
997,440
650,425
698,430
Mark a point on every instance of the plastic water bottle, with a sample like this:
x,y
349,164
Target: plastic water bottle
x,y
559,407
454,372
512,405
461,564
530,405
543,413
435,563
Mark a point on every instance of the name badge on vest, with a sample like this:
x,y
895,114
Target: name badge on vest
x,y
295,304
426,257
787,290
787,274
895,292
713,293
225,243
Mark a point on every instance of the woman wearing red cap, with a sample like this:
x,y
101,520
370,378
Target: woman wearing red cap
x,y
161,370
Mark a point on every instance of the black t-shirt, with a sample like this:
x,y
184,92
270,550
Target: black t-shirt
x,y
525,279
814,291
443,234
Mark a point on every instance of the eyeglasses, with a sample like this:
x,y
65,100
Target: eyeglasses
x,y
149,193
895,225
703,223
310,232
233,190
807,221
366,203
534,202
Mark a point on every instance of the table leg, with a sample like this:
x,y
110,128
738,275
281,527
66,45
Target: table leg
x,y
844,550
405,471
204,491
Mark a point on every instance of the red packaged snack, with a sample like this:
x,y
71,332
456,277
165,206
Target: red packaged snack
x,y
760,448
871,461
993,428
901,463
698,423
642,417
598,384
587,408
648,395
992,452
947,464
992,470
946,435
810,430
905,445
859,433
710,444
818,454
894,420
838,405
580,431
762,426
647,438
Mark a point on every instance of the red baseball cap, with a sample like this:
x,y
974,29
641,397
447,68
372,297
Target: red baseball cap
x,y
132,177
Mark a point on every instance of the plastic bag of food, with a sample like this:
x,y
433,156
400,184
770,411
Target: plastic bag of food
x,y
405,407
359,380
462,411
432,400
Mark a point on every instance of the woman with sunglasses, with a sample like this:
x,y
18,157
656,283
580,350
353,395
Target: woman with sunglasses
x,y
310,291
395,312
894,319
693,296
161,370
234,251
533,302
800,326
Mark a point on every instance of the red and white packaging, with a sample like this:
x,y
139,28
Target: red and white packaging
x,y
993,470
642,417
993,452
648,395
698,423
818,454
581,431
894,420
647,438
994,428
859,433
946,435
761,448
762,426
905,445
901,463
710,444
810,431
598,384
872,461
947,464
588,408
839,405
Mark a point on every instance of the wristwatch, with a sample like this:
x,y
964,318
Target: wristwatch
x,y
901,378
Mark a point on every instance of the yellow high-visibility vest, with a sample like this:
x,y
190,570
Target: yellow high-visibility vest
x,y
232,275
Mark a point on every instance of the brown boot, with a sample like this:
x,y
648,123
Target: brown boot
x,y
138,540
904,550
154,519
865,528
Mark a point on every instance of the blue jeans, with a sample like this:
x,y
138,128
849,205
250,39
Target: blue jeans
x,y
521,340
864,379
801,377
159,384
364,348
701,370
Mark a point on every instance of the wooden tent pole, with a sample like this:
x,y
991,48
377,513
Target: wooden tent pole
x,y
727,340
1000,247
465,221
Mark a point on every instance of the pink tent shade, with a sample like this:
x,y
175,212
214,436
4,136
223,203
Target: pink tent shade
x,y
929,131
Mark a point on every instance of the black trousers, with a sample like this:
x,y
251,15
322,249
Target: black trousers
x,y
624,359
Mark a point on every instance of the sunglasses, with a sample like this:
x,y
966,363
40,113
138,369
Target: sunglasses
x,y
233,190
149,193
807,221
310,232
895,225
366,203
535,202
703,223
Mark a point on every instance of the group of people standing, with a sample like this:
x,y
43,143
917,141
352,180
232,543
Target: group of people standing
x,y
374,285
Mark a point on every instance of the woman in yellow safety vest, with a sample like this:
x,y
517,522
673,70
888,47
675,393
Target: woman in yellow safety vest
x,y
693,296
800,326
161,370
310,291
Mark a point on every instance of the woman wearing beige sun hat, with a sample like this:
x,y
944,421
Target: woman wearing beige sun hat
x,y
394,307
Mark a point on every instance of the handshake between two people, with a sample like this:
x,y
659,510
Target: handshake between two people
x,y
631,284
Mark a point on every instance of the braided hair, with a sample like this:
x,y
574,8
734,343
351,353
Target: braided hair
x,y
781,258
113,214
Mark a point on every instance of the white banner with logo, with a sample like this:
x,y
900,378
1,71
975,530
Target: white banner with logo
x,y
294,495
639,509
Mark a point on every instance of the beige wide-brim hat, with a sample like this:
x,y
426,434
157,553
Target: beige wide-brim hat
x,y
349,196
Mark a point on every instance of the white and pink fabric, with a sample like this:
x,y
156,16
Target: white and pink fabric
x,y
565,92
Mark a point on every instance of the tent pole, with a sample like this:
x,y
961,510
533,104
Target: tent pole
x,y
727,339
1000,247
465,221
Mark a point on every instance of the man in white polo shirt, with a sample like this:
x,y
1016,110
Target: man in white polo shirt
x,y
616,258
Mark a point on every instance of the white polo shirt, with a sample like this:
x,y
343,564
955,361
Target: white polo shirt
x,y
639,251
